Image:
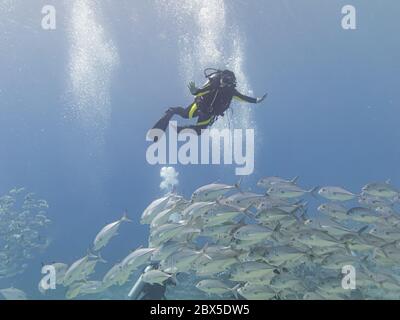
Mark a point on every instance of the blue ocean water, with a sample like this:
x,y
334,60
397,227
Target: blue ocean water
x,y
76,103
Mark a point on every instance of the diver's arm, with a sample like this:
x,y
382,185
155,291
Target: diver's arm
x,y
199,91
241,97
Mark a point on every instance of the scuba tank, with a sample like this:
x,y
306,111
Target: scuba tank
x,y
213,76
219,79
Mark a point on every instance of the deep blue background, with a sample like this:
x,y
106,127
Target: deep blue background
x,y
332,115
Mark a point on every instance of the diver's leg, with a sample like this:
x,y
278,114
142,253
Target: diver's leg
x,y
203,121
164,121
186,113
182,112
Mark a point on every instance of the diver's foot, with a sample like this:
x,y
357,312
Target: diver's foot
x,y
171,111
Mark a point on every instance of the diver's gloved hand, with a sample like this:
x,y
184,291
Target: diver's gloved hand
x,y
192,88
259,100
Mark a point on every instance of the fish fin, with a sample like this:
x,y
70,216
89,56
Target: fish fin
x,y
347,248
362,229
247,211
294,180
175,279
313,191
277,227
238,184
241,221
101,258
235,291
90,254
140,247
203,252
125,217
365,258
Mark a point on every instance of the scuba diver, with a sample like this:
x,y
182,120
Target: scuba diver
x,y
146,291
211,101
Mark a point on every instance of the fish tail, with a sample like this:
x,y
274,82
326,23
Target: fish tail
x,y
313,191
247,211
238,184
125,217
294,180
362,229
234,290
101,258
203,252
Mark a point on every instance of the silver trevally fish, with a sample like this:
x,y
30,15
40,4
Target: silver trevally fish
x,y
74,290
288,191
370,201
182,260
221,218
167,215
251,271
362,214
268,182
387,211
334,210
116,275
168,231
76,271
213,286
254,291
253,232
242,199
198,209
157,206
156,277
109,231
215,266
92,287
212,192
379,189
13,294
137,258
166,249
276,213
279,254
287,281
336,194
317,239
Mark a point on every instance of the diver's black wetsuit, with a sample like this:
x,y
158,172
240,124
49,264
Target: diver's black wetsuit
x,y
211,101
156,291
153,292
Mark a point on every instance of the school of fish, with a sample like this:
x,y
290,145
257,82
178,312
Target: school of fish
x,y
227,243
23,232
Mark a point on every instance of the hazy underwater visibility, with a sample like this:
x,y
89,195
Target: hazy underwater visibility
x,y
271,171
